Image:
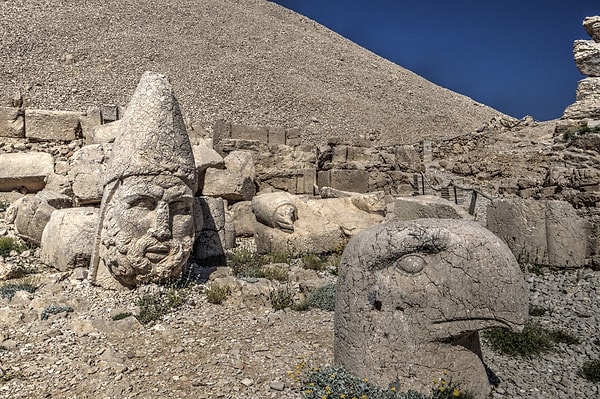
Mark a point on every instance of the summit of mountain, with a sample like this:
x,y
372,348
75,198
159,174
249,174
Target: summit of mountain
x,y
251,62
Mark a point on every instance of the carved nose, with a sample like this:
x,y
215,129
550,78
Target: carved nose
x,y
161,229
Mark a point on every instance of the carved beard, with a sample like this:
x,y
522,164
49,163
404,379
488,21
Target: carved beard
x,y
128,262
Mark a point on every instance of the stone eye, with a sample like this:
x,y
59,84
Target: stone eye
x,y
411,264
144,203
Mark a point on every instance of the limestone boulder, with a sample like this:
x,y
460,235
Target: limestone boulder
x,y
12,122
412,296
205,158
31,213
587,100
547,233
45,125
25,171
86,174
587,57
105,133
234,183
210,243
426,206
243,218
68,238
592,27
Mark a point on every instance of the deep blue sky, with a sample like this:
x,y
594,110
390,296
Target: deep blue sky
x,y
513,55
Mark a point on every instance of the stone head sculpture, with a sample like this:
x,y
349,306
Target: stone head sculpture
x,y
412,295
146,230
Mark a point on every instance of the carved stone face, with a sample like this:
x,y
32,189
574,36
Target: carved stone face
x,y
148,229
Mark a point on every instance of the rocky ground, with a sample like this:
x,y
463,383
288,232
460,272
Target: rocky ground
x,y
242,348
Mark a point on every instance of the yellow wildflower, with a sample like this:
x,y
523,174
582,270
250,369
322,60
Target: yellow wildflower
x,y
456,392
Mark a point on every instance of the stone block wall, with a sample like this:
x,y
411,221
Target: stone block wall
x,y
284,163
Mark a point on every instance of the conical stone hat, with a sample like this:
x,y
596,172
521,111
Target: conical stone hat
x,y
152,139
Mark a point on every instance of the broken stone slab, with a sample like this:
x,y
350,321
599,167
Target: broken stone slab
x,y
68,238
103,133
45,125
30,215
587,57
546,233
205,158
374,202
243,218
412,296
87,171
234,183
344,179
25,171
426,206
12,122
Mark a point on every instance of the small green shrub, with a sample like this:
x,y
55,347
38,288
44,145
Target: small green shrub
x,y
591,370
54,309
336,382
216,293
537,311
533,340
9,244
274,272
281,298
8,290
11,375
313,262
121,316
154,306
322,297
247,264
3,205
3,348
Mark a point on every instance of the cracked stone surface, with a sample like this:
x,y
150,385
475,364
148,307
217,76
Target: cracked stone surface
x,y
412,297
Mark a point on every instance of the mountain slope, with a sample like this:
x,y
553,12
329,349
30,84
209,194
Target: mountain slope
x,y
246,61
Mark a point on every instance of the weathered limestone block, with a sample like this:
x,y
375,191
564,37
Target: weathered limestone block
x,y
210,244
206,158
249,133
25,171
236,181
12,122
68,238
592,27
426,206
88,167
30,215
296,225
587,100
89,121
103,133
292,137
45,125
276,136
146,229
587,57
412,296
345,179
548,233
243,218
409,159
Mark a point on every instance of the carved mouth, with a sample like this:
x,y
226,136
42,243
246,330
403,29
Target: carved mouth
x,y
157,252
447,330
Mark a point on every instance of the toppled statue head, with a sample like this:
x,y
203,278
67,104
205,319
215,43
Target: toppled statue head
x,y
412,296
146,230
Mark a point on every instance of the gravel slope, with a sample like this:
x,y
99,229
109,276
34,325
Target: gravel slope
x,y
251,62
